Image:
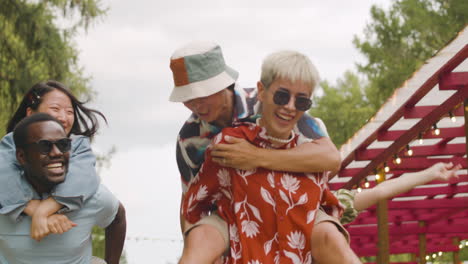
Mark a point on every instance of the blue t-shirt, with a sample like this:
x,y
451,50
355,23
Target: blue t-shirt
x,y
72,247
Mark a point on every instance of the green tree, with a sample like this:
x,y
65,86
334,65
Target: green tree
x,y
98,245
34,47
398,41
343,107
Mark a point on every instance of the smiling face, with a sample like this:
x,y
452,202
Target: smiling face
x,y
58,105
216,108
44,170
279,120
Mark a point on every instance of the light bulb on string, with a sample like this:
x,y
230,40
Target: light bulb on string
x,y
452,117
366,183
436,130
386,167
359,189
421,141
377,176
396,159
409,151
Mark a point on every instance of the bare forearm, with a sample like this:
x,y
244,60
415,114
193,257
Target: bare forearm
x,y
47,207
31,207
115,237
317,156
390,188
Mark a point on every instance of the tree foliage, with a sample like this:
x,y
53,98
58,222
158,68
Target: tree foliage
x,y
99,245
34,47
398,41
36,44
343,107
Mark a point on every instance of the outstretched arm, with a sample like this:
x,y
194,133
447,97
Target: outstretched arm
x,y
387,189
316,156
115,236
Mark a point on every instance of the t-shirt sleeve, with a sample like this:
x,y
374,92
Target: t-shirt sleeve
x,y
15,191
82,181
106,206
311,127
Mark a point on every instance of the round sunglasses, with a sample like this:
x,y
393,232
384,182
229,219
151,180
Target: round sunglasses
x,y
45,146
282,97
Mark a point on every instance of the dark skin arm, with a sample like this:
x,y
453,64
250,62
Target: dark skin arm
x,y
316,156
115,237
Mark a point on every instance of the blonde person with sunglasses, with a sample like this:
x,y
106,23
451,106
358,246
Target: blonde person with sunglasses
x,y
270,213
207,86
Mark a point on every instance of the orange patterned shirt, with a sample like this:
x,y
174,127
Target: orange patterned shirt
x,y
270,214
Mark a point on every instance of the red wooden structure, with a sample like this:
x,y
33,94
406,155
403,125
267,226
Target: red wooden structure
x,y
422,123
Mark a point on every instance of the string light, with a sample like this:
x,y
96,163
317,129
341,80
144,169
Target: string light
x,y
420,139
452,117
359,189
427,257
440,253
396,159
434,255
377,176
409,151
436,130
366,183
386,167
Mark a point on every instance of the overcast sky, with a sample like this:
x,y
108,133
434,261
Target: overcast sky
x,y
127,54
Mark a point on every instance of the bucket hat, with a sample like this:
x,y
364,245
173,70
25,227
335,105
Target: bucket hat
x,y
199,70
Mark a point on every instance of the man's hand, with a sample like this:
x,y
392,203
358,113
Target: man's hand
x,y
238,154
59,224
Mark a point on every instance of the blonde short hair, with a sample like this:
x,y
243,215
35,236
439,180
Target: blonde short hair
x,y
289,65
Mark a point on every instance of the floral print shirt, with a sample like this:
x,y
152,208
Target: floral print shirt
x,y
270,214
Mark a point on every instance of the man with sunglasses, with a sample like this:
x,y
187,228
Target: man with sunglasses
x,y
43,151
207,86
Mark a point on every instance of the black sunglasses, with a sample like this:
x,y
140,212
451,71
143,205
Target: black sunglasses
x,y
45,146
282,97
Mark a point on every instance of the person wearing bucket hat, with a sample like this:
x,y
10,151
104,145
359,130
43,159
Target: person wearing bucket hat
x,y
207,86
